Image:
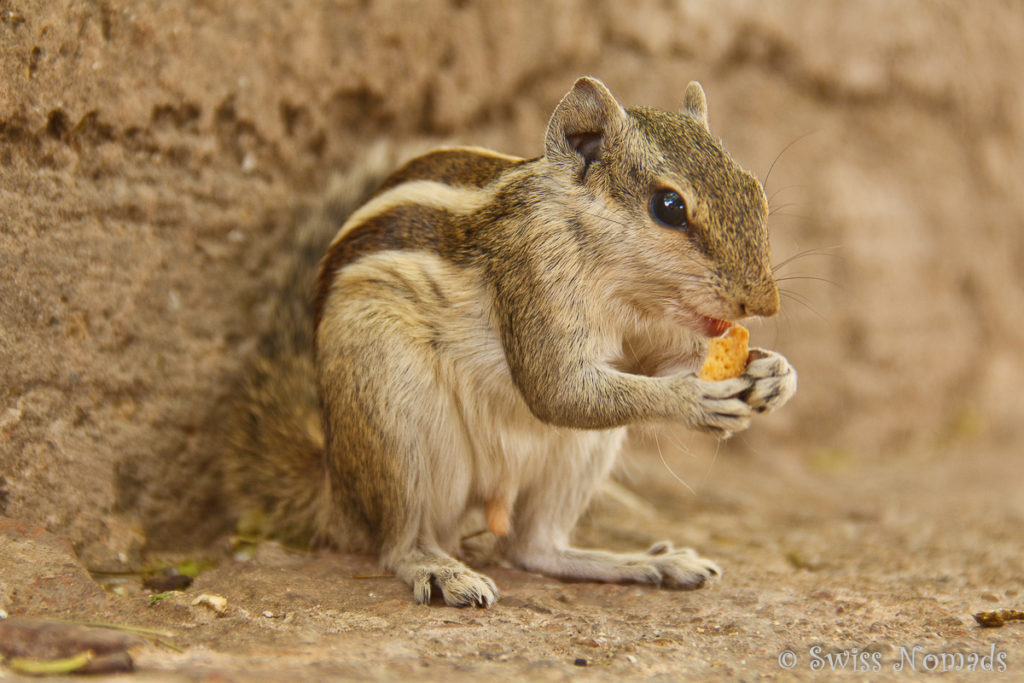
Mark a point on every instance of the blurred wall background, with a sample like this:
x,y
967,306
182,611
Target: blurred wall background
x,y
154,157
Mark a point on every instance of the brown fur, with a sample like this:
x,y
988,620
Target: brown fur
x,y
410,227
477,305
467,167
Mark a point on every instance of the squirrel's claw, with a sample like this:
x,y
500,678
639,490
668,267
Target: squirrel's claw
x,y
720,408
460,587
774,381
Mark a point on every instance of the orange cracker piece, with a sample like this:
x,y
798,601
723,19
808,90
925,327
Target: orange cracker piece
x,y
727,355
497,511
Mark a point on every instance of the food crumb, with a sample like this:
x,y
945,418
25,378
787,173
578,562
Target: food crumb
x,y
727,355
217,603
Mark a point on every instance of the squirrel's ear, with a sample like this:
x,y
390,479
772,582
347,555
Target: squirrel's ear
x,y
695,104
582,123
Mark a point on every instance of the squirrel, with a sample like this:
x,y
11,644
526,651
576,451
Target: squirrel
x,y
484,330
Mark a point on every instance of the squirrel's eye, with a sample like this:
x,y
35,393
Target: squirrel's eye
x,y
669,209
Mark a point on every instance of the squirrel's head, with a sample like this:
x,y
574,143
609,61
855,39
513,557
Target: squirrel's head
x,y
682,220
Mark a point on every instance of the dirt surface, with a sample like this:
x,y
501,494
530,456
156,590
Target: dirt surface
x,y
869,563
154,158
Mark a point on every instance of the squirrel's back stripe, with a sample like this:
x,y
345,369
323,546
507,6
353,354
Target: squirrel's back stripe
x,y
458,166
416,208
427,194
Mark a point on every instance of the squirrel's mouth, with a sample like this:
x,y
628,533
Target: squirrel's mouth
x,y
712,327
705,325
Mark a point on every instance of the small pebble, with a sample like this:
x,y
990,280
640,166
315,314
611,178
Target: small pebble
x,y
580,661
991,597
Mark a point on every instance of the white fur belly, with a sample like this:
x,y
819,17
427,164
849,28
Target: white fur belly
x,y
497,446
462,422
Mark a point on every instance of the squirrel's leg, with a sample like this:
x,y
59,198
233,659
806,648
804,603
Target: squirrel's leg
x,y
539,541
397,448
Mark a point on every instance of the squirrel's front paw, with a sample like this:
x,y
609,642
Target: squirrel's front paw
x,y
720,408
774,380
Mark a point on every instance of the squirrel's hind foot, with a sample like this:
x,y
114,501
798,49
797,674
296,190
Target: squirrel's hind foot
x,y
460,586
682,568
662,564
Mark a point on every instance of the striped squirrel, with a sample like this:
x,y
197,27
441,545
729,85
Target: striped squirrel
x,y
484,329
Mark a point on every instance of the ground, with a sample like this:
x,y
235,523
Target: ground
x,y
155,159
870,561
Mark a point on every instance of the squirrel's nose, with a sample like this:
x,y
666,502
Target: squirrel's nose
x,y
764,303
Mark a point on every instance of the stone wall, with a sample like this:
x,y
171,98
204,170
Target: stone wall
x,y
155,156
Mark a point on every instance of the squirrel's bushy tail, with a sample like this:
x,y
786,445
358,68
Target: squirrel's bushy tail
x,y
275,462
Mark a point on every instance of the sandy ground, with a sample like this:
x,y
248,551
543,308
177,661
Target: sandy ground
x,y
156,157
869,565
